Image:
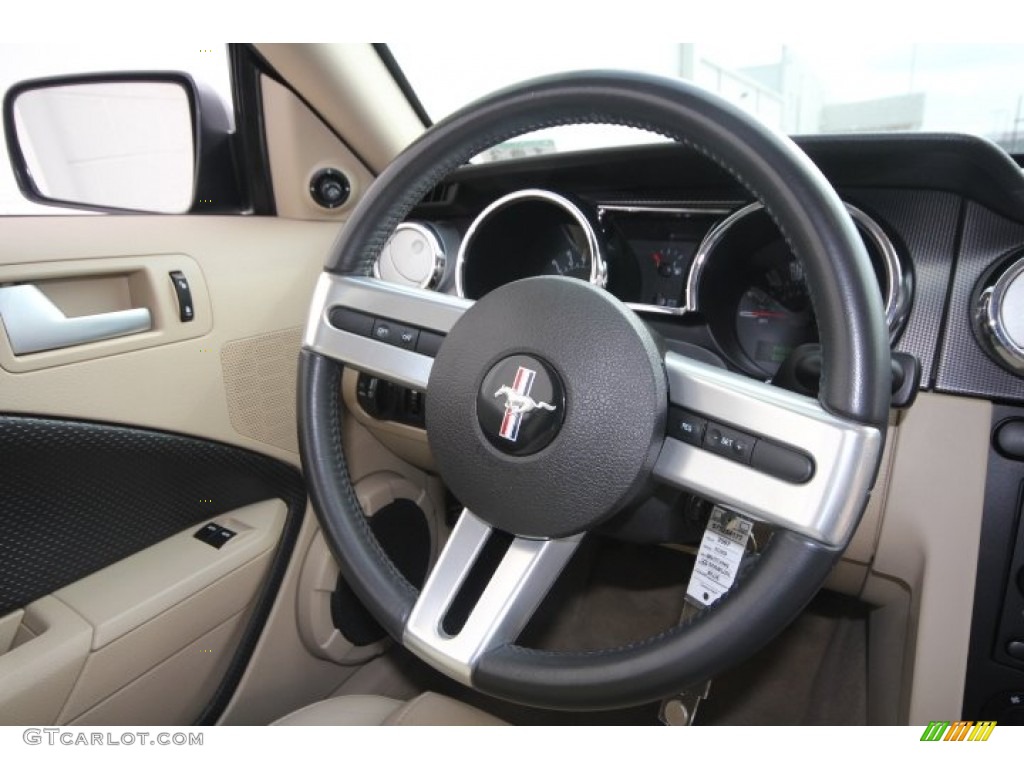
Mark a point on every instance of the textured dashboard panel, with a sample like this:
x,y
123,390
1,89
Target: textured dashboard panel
x,y
926,224
78,496
964,368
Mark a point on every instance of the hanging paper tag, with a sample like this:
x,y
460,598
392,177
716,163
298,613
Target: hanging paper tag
x,y
718,560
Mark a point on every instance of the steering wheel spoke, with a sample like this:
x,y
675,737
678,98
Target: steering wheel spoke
x,y
773,454
384,329
526,571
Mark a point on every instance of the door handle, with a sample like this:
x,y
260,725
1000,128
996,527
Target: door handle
x,y
35,324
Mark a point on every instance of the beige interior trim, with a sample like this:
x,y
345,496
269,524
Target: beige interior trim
x,y
134,591
133,655
259,274
175,691
299,145
107,285
316,626
320,572
283,675
929,542
9,625
406,441
350,87
38,673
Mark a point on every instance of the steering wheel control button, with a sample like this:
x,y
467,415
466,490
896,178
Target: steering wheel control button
x,y
729,443
429,343
521,405
405,337
186,309
351,321
685,426
784,463
383,331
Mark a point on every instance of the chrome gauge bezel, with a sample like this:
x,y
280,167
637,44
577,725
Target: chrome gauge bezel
x,y
897,291
988,318
437,253
598,265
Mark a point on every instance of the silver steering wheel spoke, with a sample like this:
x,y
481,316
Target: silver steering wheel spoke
x,y
348,313
527,570
750,436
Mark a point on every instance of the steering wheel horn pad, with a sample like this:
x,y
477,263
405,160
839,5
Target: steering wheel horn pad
x,y
605,447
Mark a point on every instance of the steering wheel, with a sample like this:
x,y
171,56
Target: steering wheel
x,y
608,385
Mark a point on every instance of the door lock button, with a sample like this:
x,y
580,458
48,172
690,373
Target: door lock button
x,y
186,310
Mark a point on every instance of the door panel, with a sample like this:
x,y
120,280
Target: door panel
x,y
114,453
259,275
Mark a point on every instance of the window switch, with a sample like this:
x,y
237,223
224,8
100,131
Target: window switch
x,y
214,535
186,310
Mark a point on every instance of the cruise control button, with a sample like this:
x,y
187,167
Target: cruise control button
x,y
685,426
349,320
429,343
395,334
406,337
787,464
729,443
383,330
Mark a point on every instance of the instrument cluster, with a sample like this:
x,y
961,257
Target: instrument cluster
x,y
725,264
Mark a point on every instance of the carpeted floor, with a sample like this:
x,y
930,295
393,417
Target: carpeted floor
x,y
814,673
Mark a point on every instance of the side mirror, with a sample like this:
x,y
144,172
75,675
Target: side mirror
x,y
122,141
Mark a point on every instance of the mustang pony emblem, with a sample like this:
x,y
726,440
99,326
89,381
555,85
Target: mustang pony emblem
x,y
518,402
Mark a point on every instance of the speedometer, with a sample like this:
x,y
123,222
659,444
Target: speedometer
x,y
767,330
751,288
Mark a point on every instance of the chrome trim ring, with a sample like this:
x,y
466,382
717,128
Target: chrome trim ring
x,y
997,306
686,209
598,267
896,293
437,254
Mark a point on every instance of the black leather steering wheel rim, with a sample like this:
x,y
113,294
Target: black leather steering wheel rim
x,y
855,383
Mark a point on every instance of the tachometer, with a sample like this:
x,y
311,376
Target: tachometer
x,y
569,260
527,233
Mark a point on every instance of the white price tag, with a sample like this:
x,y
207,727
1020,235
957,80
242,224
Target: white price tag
x,y
719,557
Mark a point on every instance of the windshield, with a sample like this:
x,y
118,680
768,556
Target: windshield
x,y
798,89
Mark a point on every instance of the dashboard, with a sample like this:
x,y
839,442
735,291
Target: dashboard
x,y
678,240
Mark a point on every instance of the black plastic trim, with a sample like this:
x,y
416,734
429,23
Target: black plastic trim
x,y
398,74
988,675
250,127
216,168
940,340
966,165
